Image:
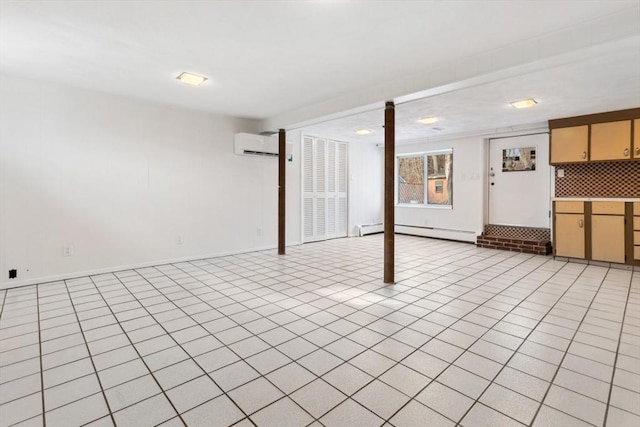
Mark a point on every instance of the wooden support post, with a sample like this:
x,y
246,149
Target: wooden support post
x,y
389,179
282,187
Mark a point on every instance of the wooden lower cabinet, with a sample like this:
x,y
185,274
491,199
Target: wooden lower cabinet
x,y
570,238
607,238
598,231
636,216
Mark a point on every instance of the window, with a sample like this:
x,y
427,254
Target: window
x,y
426,178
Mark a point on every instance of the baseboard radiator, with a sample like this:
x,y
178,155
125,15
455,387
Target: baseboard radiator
x,y
438,233
365,229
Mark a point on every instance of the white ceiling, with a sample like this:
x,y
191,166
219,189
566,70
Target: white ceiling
x,y
599,84
267,58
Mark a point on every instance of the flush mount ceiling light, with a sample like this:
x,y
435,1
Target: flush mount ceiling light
x,y
525,103
364,131
428,120
191,79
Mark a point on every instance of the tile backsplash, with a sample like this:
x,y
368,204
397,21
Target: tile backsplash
x,y
611,179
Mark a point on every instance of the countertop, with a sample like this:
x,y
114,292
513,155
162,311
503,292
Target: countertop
x,y
595,199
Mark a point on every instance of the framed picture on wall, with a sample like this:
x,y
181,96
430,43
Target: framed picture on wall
x,y
519,159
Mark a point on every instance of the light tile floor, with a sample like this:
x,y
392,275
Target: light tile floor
x,y
467,336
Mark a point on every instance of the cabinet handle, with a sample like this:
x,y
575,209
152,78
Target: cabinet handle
x,y
580,223
637,150
584,154
625,152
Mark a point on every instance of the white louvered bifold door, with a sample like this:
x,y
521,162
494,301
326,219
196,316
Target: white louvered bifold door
x,y
341,193
307,190
324,189
331,189
320,194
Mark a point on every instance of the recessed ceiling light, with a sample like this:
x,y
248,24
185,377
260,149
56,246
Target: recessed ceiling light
x,y
525,103
191,79
428,120
363,131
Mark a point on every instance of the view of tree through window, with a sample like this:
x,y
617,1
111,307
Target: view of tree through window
x,y
411,180
426,179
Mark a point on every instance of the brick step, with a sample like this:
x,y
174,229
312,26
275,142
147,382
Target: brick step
x,y
538,247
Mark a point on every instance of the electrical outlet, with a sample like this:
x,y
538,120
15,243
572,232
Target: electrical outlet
x,y
259,232
13,274
180,239
67,250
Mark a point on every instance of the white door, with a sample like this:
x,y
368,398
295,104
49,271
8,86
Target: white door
x,y
518,195
324,189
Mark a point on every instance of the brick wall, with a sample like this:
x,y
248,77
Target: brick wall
x,y
538,247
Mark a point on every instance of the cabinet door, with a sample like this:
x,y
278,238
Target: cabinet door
x,y
569,145
607,238
569,235
636,139
611,141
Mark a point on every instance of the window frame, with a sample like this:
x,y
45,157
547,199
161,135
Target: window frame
x,y
424,155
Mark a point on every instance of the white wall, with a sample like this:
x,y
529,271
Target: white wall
x,y
120,180
366,185
466,220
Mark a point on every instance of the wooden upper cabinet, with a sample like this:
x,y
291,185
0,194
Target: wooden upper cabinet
x,y
636,139
600,137
611,141
570,144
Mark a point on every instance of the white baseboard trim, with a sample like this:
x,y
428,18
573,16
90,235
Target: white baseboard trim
x,y
112,269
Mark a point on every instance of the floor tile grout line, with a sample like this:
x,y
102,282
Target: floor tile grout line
x,y
180,346
2,306
476,340
338,317
290,293
93,365
180,362
292,360
105,337
359,310
451,284
555,374
615,361
247,416
504,365
141,359
44,418
27,285
379,317
452,299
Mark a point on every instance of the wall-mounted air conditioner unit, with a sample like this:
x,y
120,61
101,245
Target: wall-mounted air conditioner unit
x,y
249,144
